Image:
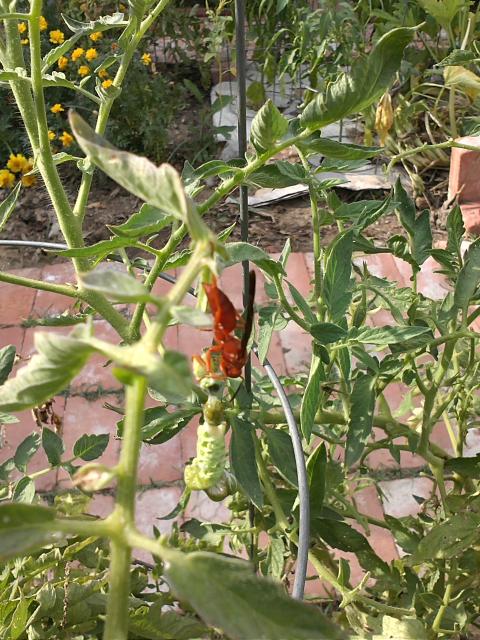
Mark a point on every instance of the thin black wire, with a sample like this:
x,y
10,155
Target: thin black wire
x,y
303,489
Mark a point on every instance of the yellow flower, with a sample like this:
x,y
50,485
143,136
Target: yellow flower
x,y
29,181
96,35
146,59
66,139
16,163
43,24
83,70
28,165
91,54
77,53
107,83
57,108
62,63
52,135
6,179
57,36
24,41
22,27
103,73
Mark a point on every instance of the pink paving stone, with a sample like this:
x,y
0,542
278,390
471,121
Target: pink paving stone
x,y
404,271
202,508
432,284
297,347
160,462
16,303
50,304
12,335
231,282
298,274
381,265
151,505
101,505
84,417
463,182
397,495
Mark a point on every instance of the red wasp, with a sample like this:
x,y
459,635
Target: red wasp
x,y
232,350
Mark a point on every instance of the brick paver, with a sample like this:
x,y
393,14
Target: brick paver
x,y
83,411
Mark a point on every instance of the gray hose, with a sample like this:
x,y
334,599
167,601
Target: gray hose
x,y
303,489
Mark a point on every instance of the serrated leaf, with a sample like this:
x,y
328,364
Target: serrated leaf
x,y
160,186
270,319
18,623
116,285
367,81
26,450
337,150
7,206
90,446
53,446
447,539
281,453
191,316
24,490
455,230
147,221
360,422
161,425
404,629
242,460
25,528
383,336
226,593
301,303
327,332
311,398
268,126
155,624
337,287
456,57
316,468
241,251
468,278
7,360
98,250
58,361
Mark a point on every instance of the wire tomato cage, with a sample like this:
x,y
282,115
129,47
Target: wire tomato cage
x,y
301,469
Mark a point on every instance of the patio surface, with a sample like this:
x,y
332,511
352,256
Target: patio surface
x,y
161,466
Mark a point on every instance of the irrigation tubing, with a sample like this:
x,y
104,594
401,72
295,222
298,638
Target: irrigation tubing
x,y
303,489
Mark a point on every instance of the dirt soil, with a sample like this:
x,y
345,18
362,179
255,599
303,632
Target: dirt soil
x,y
269,226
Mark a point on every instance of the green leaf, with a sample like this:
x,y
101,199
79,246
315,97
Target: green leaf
x,y
154,624
468,278
7,360
360,423
302,304
7,206
384,336
404,629
316,468
116,285
24,490
58,361
311,398
281,453
417,228
26,450
90,446
270,319
456,57
161,425
444,11
337,287
160,186
53,446
191,316
337,150
240,251
100,24
24,529
271,176
406,208
226,593
455,230
368,80
242,460
447,539
146,222
275,561
268,126
467,467
98,250
18,623
327,332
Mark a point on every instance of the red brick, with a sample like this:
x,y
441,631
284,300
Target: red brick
x,y
16,302
12,335
50,304
202,508
231,282
464,169
101,505
188,440
471,217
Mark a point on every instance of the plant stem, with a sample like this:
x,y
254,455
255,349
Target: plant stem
x,y
123,518
62,289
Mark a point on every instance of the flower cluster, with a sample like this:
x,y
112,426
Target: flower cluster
x,y
18,166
